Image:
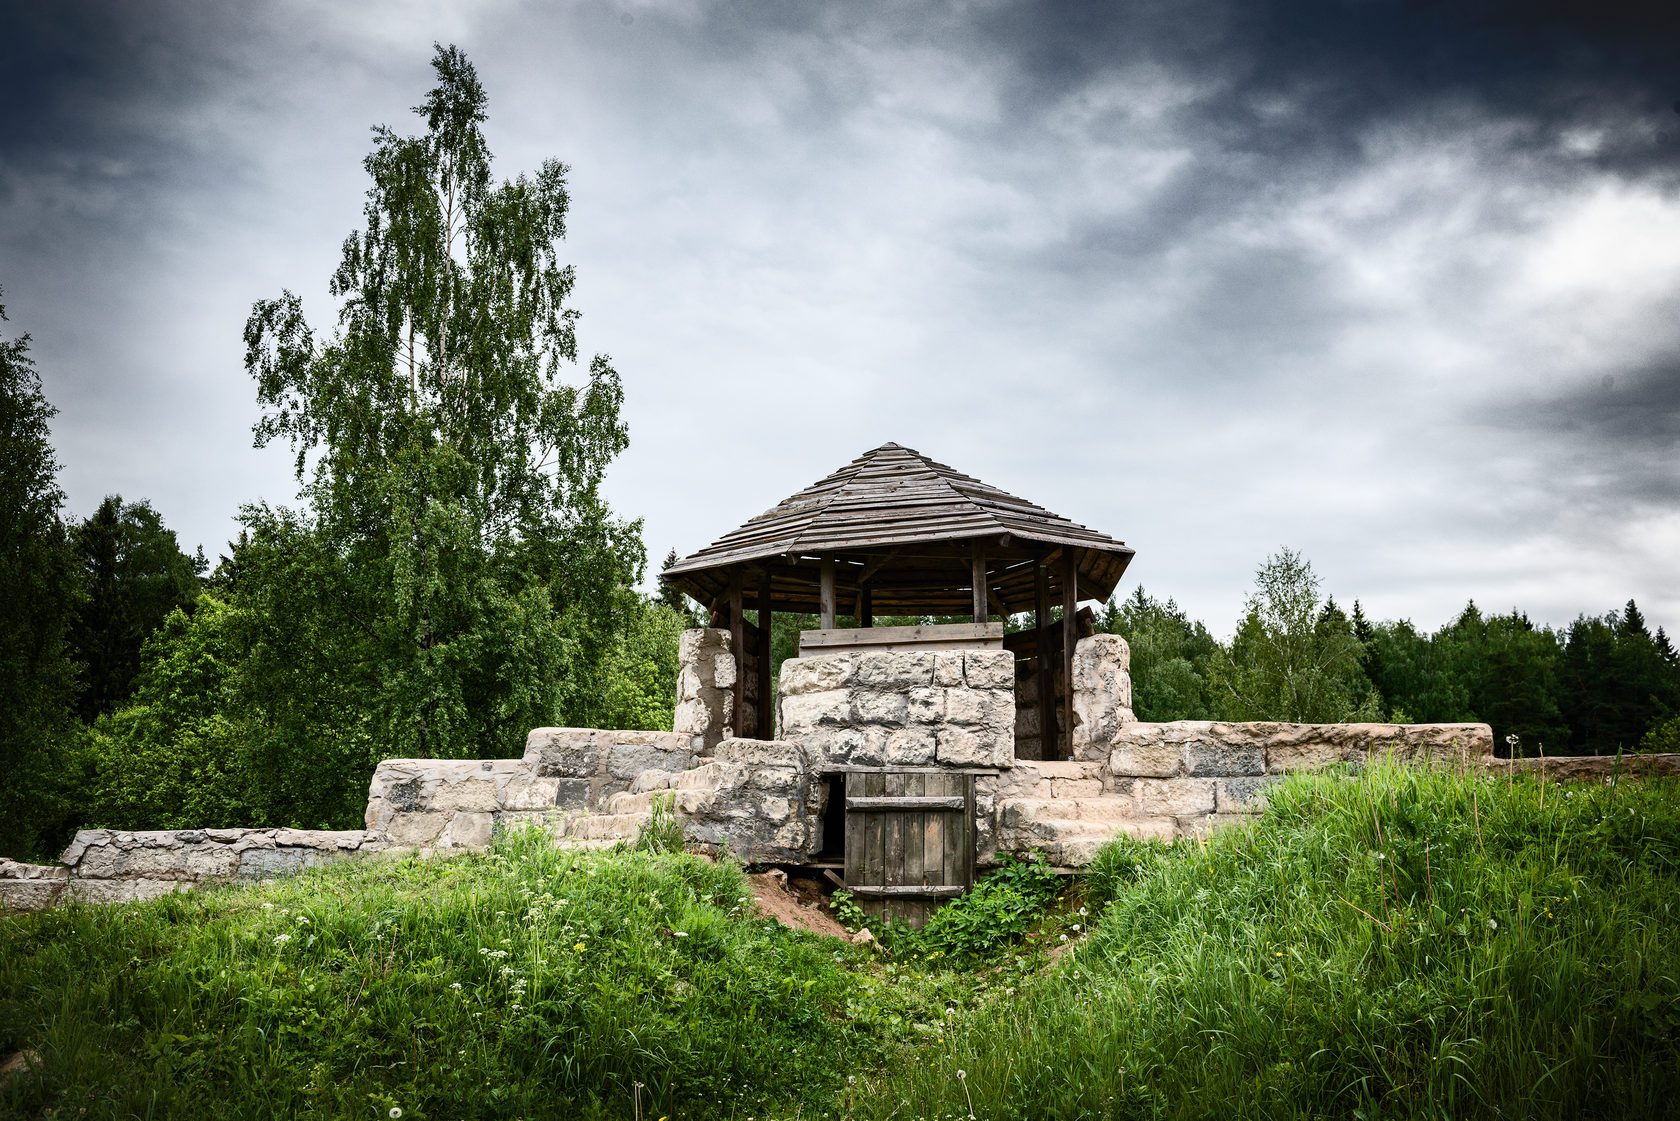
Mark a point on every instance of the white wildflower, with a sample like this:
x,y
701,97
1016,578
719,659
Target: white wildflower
x,y
282,939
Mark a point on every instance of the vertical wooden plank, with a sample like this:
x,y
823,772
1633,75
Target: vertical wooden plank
x,y
1070,639
915,840
933,843
828,606
977,577
1046,665
738,646
866,608
955,864
893,844
966,853
856,842
874,841
766,679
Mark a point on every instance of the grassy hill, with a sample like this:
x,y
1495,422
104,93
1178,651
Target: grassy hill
x,y
1390,944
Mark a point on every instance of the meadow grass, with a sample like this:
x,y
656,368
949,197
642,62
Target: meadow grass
x,y
1388,944
526,982
1397,943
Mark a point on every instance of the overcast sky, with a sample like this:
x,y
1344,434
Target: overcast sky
x,y
1395,285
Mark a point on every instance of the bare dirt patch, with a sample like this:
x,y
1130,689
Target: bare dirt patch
x,y
799,905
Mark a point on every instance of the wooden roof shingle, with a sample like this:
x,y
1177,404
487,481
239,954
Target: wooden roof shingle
x,y
887,501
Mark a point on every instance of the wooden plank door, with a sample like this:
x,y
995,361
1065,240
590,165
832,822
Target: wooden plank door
x,y
909,841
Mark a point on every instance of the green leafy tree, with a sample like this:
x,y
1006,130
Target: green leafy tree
x,y
457,576
38,599
134,575
1169,653
1294,657
171,758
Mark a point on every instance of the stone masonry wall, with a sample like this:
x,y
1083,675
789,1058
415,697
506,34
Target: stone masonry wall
x,y
902,708
706,688
438,805
1187,777
119,866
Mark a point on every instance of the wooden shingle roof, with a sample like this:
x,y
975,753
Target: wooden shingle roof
x,y
922,516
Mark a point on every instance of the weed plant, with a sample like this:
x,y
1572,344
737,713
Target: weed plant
x,y
1396,943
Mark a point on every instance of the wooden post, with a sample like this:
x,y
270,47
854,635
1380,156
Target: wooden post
x,y
1047,738
977,567
828,609
866,609
1070,636
766,705
738,646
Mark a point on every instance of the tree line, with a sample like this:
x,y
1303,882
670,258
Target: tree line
x,y
1603,684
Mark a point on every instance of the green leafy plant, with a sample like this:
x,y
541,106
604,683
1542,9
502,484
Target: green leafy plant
x,y
663,831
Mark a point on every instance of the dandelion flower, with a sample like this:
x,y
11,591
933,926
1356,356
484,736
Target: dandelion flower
x,y
962,1074
394,1112
1493,924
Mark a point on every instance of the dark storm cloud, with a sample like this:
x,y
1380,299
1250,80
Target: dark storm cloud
x,y
1295,76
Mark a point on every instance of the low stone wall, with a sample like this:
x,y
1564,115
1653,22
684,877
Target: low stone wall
x,y
1188,777
1588,768
440,805
117,866
902,708
31,887
755,800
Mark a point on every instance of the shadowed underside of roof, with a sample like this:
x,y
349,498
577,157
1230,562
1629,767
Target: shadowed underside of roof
x,y
903,526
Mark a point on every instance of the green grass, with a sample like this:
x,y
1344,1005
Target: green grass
x,y
1391,944
1394,944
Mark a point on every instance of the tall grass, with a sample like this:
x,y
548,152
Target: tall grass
x,y
1398,943
528,982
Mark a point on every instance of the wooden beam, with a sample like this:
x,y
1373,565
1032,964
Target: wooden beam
x,y
737,646
1070,638
977,570
827,594
766,679
1047,737
866,608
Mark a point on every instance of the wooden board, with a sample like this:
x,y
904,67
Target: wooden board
x,y
909,841
966,636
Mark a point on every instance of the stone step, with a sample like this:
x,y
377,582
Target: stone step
x,y
599,827
1101,808
707,776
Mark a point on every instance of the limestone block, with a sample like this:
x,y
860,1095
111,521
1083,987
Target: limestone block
x,y
1173,797
926,705
527,792
966,707
572,794
468,831
564,752
904,669
811,710
1204,824
416,828
948,669
694,716
1146,758
818,674
881,707
910,747
1102,693
123,891
471,794
1076,787
258,864
1242,795
1303,753
723,670
961,747
762,753
989,669
654,780
627,760
1220,760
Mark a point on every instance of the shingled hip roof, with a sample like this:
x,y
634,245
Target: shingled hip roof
x,y
894,497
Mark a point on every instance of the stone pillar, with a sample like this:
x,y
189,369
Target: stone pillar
x,y
1102,694
705,688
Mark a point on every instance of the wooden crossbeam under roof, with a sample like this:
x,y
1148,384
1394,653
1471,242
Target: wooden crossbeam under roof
x,y
904,527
